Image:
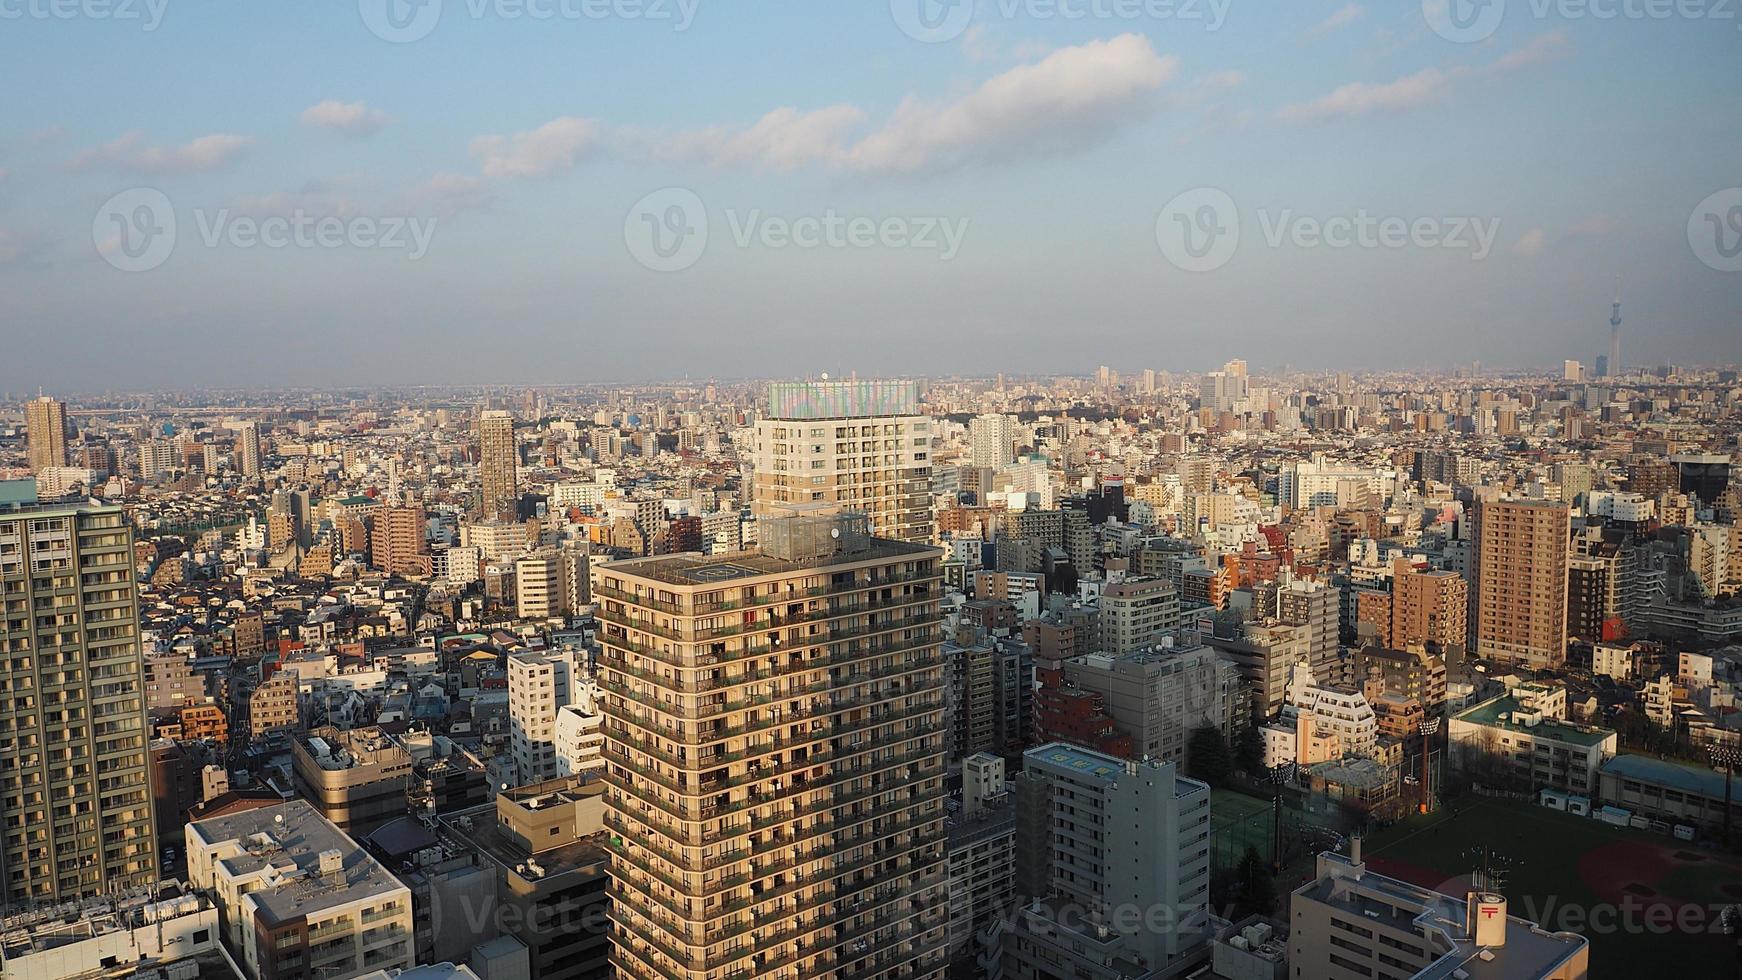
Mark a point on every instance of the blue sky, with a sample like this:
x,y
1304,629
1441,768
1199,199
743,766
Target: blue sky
x,y
1053,144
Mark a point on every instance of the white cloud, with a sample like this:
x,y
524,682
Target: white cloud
x,y
1343,17
1222,79
555,146
1530,243
129,152
1424,87
1071,96
447,194
1360,98
350,118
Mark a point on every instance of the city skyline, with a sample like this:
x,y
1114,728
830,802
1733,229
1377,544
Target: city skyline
x,y
1034,167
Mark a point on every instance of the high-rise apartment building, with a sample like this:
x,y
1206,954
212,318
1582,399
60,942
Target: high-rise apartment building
x,y
1428,607
498,466
398,543
539,686
1137,613
45,425
74,758
993,439
248,449
856,445
1521,601
775,758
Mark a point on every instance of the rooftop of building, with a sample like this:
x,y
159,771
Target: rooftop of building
x,y
1498,713
291,839
1688,779
51,927
996,817
1529,952
478,828
694,568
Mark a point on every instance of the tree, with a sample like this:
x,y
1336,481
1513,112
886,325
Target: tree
x,y
1257,887
1249,752
1207,756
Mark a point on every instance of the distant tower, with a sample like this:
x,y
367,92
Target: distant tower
x,y
1615,338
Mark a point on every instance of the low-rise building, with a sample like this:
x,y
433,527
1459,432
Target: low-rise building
x,y
356,778
1502,737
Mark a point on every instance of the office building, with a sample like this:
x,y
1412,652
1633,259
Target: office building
x,y
1521,582
45,432
357,778
74,752
498,467
775,757
1110,836
297,896
858,446
1504,741
1353,924
1161,695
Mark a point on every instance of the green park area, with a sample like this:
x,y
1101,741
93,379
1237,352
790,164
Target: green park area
x,y
1644,900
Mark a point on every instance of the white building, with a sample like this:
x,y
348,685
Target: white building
x,y
294,887
1340,711
539,686
993,439
580,732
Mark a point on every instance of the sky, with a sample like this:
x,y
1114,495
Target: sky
x,y
227,194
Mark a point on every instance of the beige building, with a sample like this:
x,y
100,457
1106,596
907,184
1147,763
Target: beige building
x,y
1136,614
1354,924
275,705
356,778
45,424
551,582
398,544
498,466
74,758
1521,600
775,757
856,445
1428,607
299,898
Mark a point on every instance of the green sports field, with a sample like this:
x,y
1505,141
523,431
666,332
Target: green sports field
x,y
1644,900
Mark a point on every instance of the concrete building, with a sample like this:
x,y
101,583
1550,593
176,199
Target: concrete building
x,y
1265,659
539,686
992,439
580,732
398,542
1410,673
1670,792
173,935
1530,745
1136,614
498,467
1521,582
1114,835
357,778
1353,924
547,848
74,752
248,449
775,756
1159,696
551,583
1340,711
45,433
275,706
1427,607
982,855
297,897
857,445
